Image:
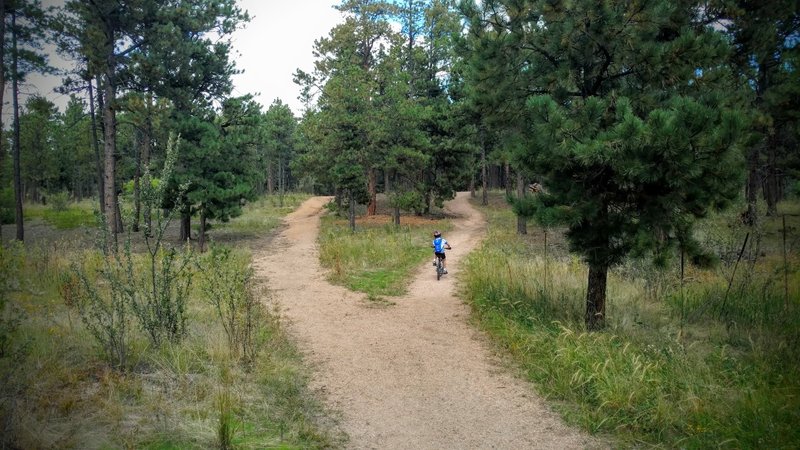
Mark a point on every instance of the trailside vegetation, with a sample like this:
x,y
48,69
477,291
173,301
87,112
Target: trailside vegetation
x,y
630,119
690,357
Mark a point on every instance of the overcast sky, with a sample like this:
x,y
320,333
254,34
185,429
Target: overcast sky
x,y
276,42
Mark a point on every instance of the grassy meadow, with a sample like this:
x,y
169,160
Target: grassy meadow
x,y
379,258
704,361
211,388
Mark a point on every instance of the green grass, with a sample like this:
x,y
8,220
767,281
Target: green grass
x,y
260,216
672,370
378,260
76,215
65,395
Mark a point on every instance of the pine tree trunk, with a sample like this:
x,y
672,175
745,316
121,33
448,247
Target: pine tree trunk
x,y
281,180
96,145
110,137
396,211
753,183
201,237
270,178
147,150
15,105
2,84
118,214
596,297
372,189
137,191
351,210
522,222
771,180
472,186
507,180
186,225
484,170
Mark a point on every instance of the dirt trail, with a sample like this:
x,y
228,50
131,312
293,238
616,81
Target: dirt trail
x,y
412,375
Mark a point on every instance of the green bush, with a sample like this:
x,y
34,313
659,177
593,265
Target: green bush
x,y
59,201
227,281
794,188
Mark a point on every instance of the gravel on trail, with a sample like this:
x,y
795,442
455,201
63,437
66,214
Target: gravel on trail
x,y
414,374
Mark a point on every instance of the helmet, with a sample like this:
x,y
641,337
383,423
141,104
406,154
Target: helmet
x,y
437,234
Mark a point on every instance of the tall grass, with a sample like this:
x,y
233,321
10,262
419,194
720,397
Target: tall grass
x,y
675,368
375,259
61,393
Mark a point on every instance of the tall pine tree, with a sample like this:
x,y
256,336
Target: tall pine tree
x,y
629,122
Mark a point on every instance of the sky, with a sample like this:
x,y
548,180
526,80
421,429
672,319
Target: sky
x,y
277,41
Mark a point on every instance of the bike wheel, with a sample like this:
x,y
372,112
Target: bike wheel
x,y
439,269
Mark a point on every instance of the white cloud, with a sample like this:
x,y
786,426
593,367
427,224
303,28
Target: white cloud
x,y
276,42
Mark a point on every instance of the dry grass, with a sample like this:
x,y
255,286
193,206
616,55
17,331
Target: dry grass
x,y
688,368
59,392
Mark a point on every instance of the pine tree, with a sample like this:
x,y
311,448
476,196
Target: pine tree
x,y
26,24
278,146
346,130
631,122
765,38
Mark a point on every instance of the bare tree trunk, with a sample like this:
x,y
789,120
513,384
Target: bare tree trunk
x,y
147,150
472,186
15,105
186,225
771,180
96,144
2,83
137,189
596,297
281,180
110,153
753,184
522,222
372,189
118,214
201,237
270,178
507,167
351,209
484,171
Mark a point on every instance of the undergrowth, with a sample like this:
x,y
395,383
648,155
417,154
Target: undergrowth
x,y
204,391
710,360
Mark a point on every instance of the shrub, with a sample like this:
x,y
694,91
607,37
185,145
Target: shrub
x,y
59,201
228,287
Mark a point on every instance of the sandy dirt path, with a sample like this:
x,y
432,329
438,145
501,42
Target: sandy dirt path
x,y
411,375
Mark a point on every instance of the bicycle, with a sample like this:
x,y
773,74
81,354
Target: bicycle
x,y
439,268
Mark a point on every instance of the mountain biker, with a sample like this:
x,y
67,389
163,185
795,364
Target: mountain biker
x,y
439,245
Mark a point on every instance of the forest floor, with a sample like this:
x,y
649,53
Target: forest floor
x,y
415,373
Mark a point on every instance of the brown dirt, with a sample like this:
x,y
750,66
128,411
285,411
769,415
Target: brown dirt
x,y
413,375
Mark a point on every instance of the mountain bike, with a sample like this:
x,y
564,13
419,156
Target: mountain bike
x,y
439,268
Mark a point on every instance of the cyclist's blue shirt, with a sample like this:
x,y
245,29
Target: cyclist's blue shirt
x,y
439,244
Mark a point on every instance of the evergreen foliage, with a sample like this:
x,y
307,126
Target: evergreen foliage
x,y
629,119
